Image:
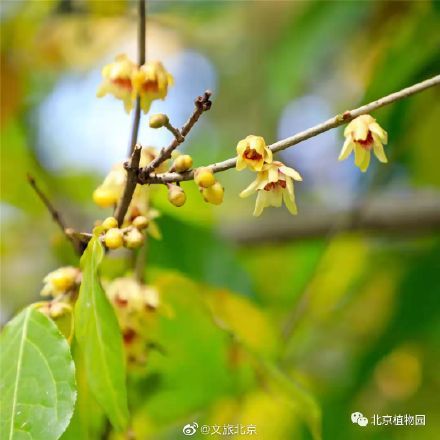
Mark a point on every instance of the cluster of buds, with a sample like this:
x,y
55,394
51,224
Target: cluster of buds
x,y
274,181
130,237
211,190
135,305
125,81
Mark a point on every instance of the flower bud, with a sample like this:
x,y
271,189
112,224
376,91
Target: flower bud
x,y
204,177
113,238
140,222
104,197
183,163
109,223
133,238
158,120
176,195
58,309
213,194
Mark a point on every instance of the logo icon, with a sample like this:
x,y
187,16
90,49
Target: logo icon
x,y
191,428
358,417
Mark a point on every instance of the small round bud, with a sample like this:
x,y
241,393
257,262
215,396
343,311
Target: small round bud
x,y
213,194
204,177
104,197
183,163
109,223
64,278
175,153
176,195
140,222
158,120
113,238
133,238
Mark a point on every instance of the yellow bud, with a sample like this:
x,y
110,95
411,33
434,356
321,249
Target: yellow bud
x,y
113,238
204,177
104,197
63,279
183,163
133,238
176,195
109,223
213,194
159,120
140,222
175,153
58,309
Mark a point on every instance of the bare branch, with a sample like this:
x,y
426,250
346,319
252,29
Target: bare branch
x,y
202,104
56,216
132,168
303,135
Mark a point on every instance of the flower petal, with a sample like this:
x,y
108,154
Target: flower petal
x,y
241,146
250,189
379,151
240,164
364,165
291,173
260,203
347,148
273,173
268,155
379,131
290,203
359,155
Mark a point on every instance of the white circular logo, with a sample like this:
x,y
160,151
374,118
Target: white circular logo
x,y
358,417
190,428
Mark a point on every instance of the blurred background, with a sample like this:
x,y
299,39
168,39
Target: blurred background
x,y
343,298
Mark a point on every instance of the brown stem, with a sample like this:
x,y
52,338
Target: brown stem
x,y
56,216
202,104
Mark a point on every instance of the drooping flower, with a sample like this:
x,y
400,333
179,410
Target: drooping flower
x,y
273,184
362,135
253,153
151,82
117,81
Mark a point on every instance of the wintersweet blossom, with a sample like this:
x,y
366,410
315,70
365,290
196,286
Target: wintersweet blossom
x,y
273,184
110,191
364,134
117,81
253,153
151,82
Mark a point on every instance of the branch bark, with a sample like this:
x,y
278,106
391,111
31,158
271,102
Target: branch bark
x,y
331,123
56,216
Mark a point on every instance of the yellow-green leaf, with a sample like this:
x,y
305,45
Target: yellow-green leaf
x,y
37,378
99,337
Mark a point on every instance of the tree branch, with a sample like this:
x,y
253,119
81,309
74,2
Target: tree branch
x,y
56,216
202,104
301,136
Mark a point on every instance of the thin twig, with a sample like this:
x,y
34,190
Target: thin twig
x,y
132,168
141,60
202,104
331,123
56,216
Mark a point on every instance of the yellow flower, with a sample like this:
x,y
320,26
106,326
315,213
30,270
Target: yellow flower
x,y
110,191
253,153
61,281
274,183
118,81
364,134
151,81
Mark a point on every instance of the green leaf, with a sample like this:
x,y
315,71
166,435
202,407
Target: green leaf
x,y
37,378
100,339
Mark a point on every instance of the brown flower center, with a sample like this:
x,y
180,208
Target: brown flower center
x,y
252,154
274,185
150,86
125,83
367,143
129,335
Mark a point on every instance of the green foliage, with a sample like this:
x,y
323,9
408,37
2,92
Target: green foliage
x,y
37,378
97,332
